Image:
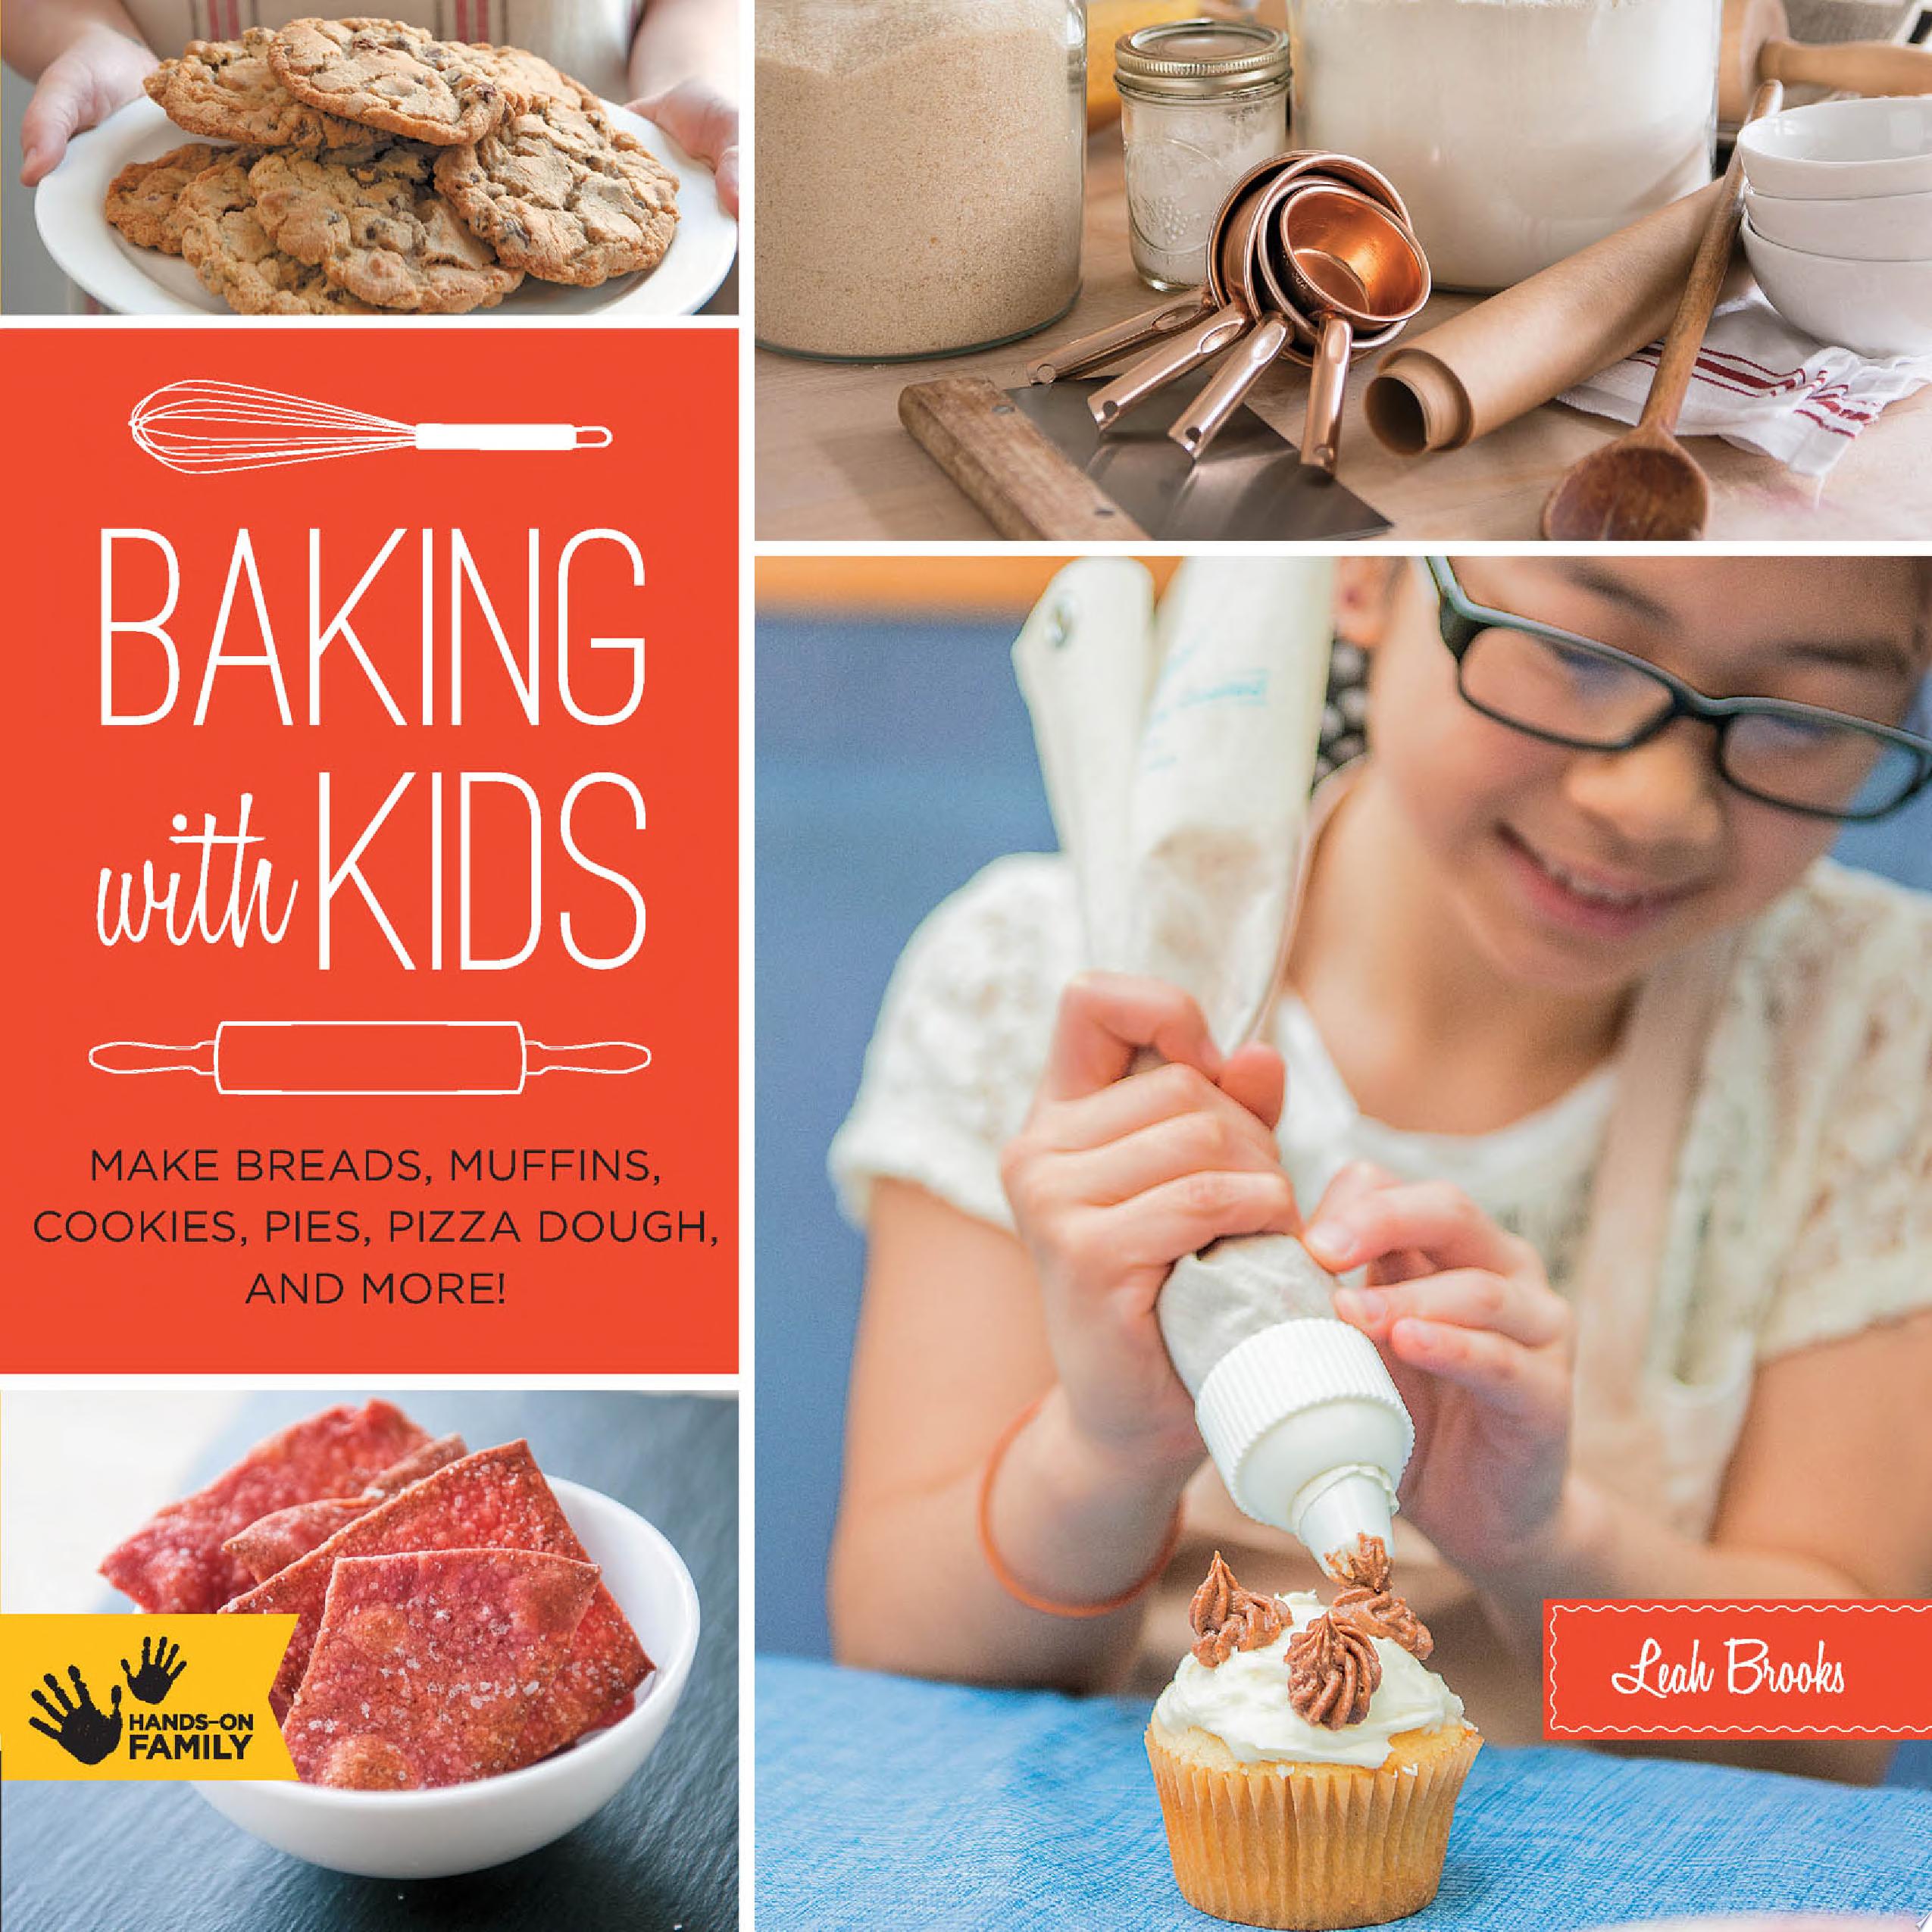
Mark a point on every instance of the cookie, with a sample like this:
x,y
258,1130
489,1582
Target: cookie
x,y
226,245
524,77
226,89
378,229
559,191
144,198
386,75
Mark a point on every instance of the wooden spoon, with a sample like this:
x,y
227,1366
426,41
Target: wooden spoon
x,y
1645,487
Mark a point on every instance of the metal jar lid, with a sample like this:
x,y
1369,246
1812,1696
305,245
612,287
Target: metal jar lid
x,y
1199,60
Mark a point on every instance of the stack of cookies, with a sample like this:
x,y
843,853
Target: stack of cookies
x,y
373,169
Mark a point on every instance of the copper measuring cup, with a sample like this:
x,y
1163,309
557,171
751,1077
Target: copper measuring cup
x,y
1316,173
1084,353
1246,362
1341,260
1230,255
1088,352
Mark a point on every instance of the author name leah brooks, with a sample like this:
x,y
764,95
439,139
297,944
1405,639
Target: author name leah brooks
x,y
1748,1668
1821,1668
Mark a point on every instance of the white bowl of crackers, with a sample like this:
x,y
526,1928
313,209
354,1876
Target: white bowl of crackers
x,y
366,170
481,1655
466,1827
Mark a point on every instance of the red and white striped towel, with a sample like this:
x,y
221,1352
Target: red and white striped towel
x,y
1762,385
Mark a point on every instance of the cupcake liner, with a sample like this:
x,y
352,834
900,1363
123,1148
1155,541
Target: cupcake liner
x,y
1314,1846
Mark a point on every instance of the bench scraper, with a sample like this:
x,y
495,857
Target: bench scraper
x,y
1032,460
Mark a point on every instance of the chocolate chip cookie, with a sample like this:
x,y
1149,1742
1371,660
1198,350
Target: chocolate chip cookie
x,y
525,77
144,198
227,89
373,223
384,74
559,191
224,242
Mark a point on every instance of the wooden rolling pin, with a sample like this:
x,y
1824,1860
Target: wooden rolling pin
x,y
1757,46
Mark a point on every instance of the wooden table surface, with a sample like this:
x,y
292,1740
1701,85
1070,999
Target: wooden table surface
x,y
833,462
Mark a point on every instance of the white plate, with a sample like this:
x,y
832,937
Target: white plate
x,y
94,255
468,1827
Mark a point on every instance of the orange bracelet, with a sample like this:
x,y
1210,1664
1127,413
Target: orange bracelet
x,y
1011,1584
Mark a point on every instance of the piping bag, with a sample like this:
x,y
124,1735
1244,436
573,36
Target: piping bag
x,y
1179,749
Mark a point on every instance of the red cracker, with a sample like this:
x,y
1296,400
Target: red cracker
x,y
436,1668
175,1564
419,1463
288,1535
496,1499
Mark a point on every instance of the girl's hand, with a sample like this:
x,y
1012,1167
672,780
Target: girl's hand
x,y
100,71
1478,1343
703,122
1116,1175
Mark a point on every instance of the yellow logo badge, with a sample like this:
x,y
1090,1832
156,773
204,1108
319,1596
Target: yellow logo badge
x,y
115,1697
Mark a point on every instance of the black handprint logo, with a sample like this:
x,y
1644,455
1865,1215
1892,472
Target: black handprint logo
x,y
156,1678
82,1731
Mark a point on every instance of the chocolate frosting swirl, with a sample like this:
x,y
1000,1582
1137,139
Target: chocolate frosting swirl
x,y
1228,1618
1368,1600
1332,1667
1332,1670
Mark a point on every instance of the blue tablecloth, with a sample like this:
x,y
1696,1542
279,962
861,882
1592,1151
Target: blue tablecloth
x,y
885,1802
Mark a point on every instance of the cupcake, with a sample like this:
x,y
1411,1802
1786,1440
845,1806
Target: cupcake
x,y
1308,1762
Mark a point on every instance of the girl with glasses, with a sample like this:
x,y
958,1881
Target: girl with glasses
x,y
1607,1091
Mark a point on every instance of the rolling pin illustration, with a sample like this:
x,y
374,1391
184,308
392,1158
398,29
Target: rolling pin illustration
x,y
369,1056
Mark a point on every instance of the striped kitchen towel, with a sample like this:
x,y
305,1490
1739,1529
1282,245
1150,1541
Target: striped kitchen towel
x,y
1762,385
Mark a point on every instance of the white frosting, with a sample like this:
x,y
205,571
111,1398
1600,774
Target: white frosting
x,y
1244,1701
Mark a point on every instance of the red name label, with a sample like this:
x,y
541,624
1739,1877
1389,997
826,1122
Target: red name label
x,y
1801,1669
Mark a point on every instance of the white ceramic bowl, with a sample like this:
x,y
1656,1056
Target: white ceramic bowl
x,y
1877,307
1877,228
1839,150
466,1827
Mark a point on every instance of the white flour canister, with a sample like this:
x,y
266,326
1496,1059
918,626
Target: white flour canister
x,y
1517,131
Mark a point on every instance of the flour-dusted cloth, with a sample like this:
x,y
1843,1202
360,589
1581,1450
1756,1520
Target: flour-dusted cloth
x,y
589,39
1763,385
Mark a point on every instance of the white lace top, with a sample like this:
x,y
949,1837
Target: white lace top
x,y
1800,1204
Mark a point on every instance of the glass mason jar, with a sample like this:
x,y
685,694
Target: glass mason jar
x,y
1202,101
920,169
1517,131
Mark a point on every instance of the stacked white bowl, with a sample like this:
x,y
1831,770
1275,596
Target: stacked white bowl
x,y
1838,220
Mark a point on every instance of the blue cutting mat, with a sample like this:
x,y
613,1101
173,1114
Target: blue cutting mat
x,y
882,1803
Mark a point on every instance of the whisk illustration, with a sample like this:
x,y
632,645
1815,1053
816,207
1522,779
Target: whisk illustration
x,y
211,429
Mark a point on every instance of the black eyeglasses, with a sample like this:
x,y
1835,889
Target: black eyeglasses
x,y
1570,690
